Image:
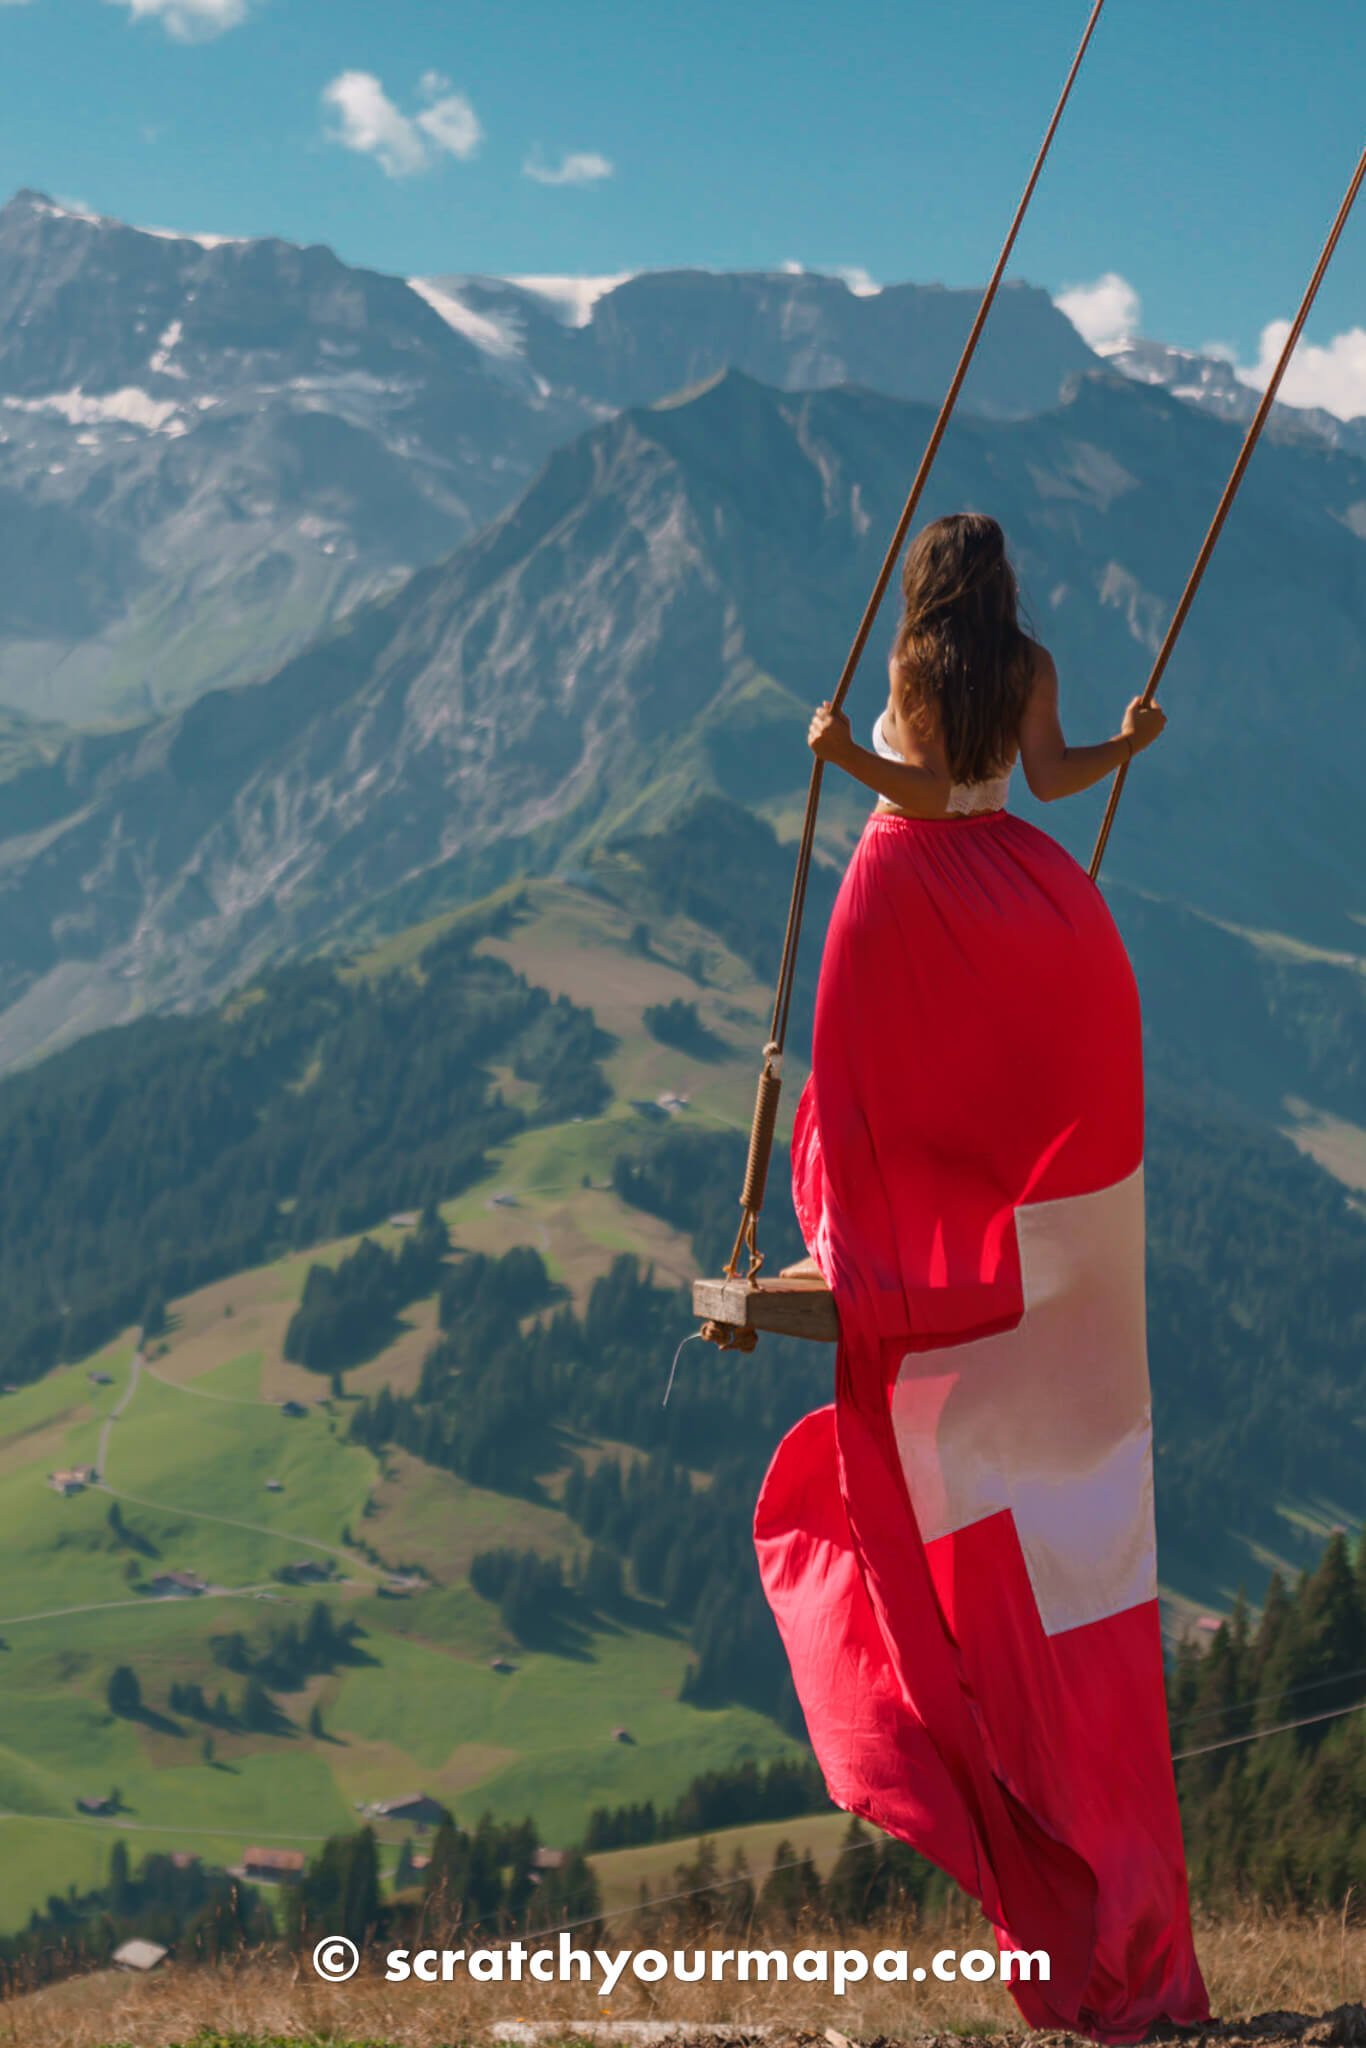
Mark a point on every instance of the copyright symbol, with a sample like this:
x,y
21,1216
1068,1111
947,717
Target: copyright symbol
x,y
335,1958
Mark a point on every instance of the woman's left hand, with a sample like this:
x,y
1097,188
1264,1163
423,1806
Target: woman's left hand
x,y
829,736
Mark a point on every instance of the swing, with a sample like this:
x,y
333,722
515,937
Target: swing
x,y
735,1308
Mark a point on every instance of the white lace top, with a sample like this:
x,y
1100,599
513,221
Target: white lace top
x,y
964,797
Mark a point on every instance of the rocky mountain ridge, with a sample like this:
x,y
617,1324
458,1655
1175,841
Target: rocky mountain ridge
x,y
1213,383
651,620
210,450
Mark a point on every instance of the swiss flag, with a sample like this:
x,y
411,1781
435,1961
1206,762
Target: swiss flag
x,y
960,1552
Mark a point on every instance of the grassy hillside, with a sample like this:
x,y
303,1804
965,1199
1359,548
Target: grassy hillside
x,y
187,1462
200,1432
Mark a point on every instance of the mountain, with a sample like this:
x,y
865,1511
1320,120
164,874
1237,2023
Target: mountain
x,y
1212,382
211,449
650,621
630,340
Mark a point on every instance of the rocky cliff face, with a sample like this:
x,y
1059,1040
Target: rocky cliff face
x,y
652,619
208,451
627,341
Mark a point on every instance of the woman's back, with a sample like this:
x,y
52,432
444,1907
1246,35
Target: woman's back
x,y
965,799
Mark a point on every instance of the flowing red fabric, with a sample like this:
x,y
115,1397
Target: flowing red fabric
x,y
959,1553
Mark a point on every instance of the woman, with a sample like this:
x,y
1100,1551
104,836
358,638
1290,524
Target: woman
x,y
959,1552
970,692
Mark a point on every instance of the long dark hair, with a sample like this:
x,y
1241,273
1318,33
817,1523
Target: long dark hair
x,y
962,664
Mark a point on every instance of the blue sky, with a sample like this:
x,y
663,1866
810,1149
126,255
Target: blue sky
x,y
1205,150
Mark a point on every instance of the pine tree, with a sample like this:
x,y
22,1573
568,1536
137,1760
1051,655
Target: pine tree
x,y
570,1896
319,1646
850,1883
120,1881
444,1889
602,1585
259,1711
483,1878
735,1901
1330,1648
519,1849
792,1888
123,1693
360,1905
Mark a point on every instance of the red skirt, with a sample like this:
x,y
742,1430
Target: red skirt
x,y
960,1553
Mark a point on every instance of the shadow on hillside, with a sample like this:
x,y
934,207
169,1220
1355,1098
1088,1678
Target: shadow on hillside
x,y
678,1026
158,1723
626,1615
564,1631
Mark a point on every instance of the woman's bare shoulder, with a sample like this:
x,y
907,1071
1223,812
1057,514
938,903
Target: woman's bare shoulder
x,y
1043,673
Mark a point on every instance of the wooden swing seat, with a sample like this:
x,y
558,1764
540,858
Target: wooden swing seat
x,y
788,1305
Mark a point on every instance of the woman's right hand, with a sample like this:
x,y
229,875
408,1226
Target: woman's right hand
x,y
1143,724
828,735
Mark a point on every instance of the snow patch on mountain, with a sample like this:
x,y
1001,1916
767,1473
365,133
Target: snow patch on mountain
x,y
168,341
71,209
572,299
130,407
502,338
39,203
1215,381
203,241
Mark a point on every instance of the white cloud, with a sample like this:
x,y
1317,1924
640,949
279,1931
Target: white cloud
x,y
452,124
1332,376
189,21
1105,312
369,122
576,167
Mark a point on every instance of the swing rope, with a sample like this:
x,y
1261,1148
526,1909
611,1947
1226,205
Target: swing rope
x,y
770,1079
1250,441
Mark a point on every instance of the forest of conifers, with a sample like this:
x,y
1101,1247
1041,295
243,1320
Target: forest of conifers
x,y
164,1154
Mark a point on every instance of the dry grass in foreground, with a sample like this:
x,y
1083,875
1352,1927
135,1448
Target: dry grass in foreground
x,y
1255,1964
